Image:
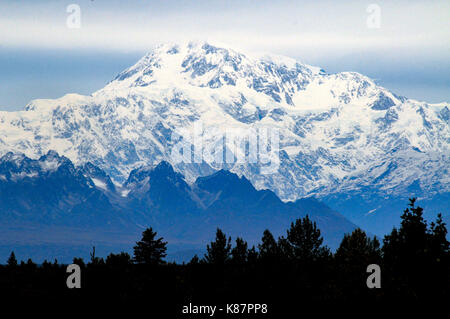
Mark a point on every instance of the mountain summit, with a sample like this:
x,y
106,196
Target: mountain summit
x,y
338,133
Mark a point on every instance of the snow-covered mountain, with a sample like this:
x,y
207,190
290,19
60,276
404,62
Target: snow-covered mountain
x,y
338,132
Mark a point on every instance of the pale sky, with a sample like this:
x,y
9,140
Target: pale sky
x,y
41,57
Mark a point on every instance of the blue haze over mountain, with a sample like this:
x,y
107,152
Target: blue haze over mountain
x,y
50,208
344,140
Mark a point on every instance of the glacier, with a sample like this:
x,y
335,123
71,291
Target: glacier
x,y
339,133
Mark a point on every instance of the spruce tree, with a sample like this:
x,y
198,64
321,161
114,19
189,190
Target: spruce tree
x,y
12,261
358,249
439,245
219,251
303,242
240,252
149,250
416,257
268,249
355,253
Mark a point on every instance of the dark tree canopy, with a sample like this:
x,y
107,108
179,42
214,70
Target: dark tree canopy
x,y
268,249
118,260
78,261
303,241
439,244
219,251
150,250
240,252
416,256
357,248
194,261
412,240
12,261
294,273
354,254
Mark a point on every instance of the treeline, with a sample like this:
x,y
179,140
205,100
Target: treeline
x,y
294,270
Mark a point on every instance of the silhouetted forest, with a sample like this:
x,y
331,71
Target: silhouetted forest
x,y
288,274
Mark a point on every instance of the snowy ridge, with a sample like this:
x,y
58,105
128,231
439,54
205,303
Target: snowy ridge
x,y
339,132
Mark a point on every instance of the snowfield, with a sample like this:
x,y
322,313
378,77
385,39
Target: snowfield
x,y
338,132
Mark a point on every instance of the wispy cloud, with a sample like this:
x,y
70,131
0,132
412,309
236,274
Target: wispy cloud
x,y
260,25
409,52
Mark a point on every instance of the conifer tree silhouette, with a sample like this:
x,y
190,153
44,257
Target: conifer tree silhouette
x,y
417,257
12,261
268,249
358,248
150,250
219,251
303,241
354,254
240,252
120,260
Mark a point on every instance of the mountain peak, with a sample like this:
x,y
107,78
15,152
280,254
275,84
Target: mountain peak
x,y
147,174
227,182
164,167
13,157
52,161
337,132
205,65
